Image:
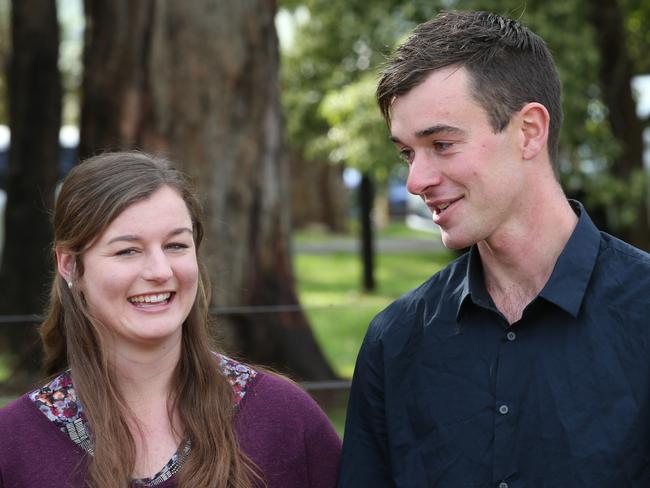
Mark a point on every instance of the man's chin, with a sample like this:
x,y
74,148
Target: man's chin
x,y
455,242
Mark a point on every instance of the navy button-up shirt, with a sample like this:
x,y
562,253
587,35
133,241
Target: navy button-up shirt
x,y
446,394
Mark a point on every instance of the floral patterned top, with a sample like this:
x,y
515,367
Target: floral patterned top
x,y
58,401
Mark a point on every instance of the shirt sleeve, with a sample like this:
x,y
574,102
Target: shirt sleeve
x,y
365,459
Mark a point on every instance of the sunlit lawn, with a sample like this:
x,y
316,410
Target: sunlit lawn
x,y
329,287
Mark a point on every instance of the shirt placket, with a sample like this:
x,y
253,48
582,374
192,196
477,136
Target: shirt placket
x,y
506,410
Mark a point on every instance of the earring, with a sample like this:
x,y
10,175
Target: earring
x,y
70,284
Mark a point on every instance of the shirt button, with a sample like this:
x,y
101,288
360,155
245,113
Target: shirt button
x,y
503,409
503,484
511,336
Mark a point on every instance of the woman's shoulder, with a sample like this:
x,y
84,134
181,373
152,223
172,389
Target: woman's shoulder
x,y
274,391
46,409
282,404
14,412
287,435
33,451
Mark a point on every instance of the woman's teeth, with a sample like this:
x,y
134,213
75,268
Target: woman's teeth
x,y
161,297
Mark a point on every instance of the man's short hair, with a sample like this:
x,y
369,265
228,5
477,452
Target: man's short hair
x,y
508,66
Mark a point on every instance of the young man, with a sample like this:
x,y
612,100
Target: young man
x,y
526,362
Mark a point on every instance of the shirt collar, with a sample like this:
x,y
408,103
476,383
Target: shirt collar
x,y
473,286
568,282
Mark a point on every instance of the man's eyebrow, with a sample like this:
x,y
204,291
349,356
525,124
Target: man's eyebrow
x,y
434,129
134,238
437,129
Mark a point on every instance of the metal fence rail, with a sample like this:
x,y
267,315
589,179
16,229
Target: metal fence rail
x,y
214,311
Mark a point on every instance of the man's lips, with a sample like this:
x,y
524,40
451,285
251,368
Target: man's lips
x,y
440,205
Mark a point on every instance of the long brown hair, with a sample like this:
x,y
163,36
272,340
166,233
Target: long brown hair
x,y
92,195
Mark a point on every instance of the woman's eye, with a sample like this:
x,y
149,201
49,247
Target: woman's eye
x,y
126,252
176,246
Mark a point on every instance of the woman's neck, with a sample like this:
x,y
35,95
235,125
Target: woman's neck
x,y
145,375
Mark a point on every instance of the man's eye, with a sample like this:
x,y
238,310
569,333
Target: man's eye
x,y
441,146
406,155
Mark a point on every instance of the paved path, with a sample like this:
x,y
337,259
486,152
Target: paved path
x,y
384,245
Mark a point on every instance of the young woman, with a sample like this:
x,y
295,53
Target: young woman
x,y
137,395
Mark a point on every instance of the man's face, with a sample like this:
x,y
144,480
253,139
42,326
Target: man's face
x,y
472,179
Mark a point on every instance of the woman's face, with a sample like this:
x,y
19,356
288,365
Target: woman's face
x,y
140,276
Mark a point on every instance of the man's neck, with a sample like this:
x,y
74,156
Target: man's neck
x,y
518,261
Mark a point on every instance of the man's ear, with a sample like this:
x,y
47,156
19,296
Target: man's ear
x,y
65,264
534,129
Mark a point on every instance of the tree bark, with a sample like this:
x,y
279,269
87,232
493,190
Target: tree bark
x,y
318,196
366,200
616,72
197,81
34,118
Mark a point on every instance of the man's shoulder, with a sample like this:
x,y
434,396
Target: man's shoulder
x,y
621,276
405,311
621,253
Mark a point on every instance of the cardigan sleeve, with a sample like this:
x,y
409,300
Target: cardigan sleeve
x,y
287,435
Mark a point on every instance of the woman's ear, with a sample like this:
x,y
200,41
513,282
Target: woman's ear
x,y
535,121
65,264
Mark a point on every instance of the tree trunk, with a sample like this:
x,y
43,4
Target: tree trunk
x,y
318,195
198,81
34,118
366,200
615,79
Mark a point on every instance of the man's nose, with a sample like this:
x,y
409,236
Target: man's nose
x,y
423,175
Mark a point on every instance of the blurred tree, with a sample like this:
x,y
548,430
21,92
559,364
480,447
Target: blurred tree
x,y
615,72
5,46
34,90
198,81
318,196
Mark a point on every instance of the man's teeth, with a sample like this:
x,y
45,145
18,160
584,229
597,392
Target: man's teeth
x,y
161,297
443,206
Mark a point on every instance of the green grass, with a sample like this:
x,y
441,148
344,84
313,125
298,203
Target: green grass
x,y
5,371
329,287
391,230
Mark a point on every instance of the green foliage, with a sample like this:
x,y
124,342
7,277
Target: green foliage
x,y
329,77
358,135
638,34
621,197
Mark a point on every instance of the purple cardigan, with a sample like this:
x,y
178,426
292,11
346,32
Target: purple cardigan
x,y
279,426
